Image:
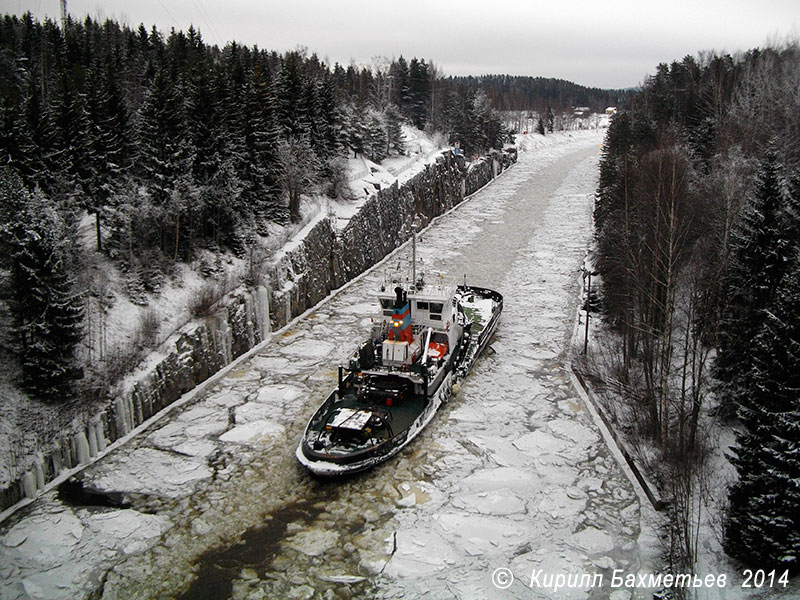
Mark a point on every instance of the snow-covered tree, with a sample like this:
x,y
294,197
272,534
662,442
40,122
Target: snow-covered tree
x,y
292,84
47,312
164,146
378,141
419,91
355,130
762,250
165,159
329,121
108,148
69,156
255,150
398,84
23,133
394,130
299,171
763,525
220,187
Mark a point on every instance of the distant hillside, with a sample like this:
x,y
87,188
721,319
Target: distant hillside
x,y
509,92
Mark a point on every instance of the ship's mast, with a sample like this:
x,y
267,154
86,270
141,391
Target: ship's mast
x,y
413,259
414,225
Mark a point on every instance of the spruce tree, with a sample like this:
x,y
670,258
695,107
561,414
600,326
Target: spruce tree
x,y
311,124
761,254
69,158
488,129
763,523
291,87
419,92
163,140
23,132
12,136
329,120
398,93
210,139
463,123
47,312
356,131
259,133
377,138
107,143
165,160
394,131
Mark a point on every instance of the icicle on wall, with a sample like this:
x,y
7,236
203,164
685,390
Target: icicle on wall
x,y
199,351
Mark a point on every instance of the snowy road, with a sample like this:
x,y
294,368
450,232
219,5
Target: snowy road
x,y
511,474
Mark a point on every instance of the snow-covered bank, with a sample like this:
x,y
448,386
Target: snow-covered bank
x,y
711,481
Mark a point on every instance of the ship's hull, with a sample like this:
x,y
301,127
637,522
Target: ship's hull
x,y
324,457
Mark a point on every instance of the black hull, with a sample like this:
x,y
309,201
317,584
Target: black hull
x,y
476,336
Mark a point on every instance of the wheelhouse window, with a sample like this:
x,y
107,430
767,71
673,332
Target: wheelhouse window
x,y
436,307
422,306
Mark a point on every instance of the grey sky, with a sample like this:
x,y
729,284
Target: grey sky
x,y
604,44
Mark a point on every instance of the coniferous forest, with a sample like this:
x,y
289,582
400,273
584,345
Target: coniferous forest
x,y
697,221
172,146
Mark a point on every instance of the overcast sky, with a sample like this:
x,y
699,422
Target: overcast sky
x,y
610,44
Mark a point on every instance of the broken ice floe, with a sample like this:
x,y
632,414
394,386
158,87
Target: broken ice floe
x,y
254,431
148,471
57,551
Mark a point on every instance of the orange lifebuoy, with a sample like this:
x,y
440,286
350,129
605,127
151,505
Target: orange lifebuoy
x,y
437,350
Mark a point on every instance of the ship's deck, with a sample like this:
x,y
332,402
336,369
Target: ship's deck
x,y
401,414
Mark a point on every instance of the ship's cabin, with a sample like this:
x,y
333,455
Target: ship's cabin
x,y
418,322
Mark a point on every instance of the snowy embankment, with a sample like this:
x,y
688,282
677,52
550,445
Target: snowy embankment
x,y
710,486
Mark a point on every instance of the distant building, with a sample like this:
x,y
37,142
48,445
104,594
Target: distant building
x,y
581,111
611,110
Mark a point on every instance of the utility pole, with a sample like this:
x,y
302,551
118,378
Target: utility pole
x,y
587,278
63,16
586,306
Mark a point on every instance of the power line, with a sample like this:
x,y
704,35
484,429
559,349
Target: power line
x,y
207,17
169,14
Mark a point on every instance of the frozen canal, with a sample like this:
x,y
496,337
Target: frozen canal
x,y
511,474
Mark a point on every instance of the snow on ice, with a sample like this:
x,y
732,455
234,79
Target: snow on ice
x,y
254,431
149,471
57,553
